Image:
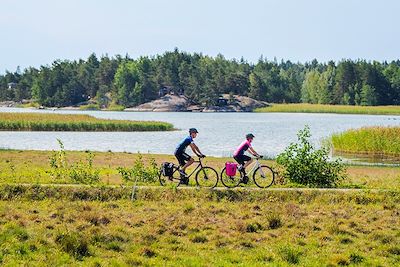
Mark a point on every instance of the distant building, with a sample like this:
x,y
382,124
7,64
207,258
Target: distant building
x,y
12,85
170,90
222,101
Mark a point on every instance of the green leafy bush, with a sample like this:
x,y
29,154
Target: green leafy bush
x,y
79,172
305,165
83,172
139,171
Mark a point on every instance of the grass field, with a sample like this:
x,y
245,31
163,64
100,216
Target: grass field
x,y
341,109
34,166
64,225
62,122
166,227
369,140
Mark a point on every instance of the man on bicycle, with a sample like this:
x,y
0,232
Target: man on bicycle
x,y
184,159
243,159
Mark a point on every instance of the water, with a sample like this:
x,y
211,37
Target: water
x,y
219,133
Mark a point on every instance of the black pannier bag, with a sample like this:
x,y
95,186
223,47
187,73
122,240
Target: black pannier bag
x,y
167,169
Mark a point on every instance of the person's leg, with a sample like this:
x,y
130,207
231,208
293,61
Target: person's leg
x,y
188,163
248,163
180,158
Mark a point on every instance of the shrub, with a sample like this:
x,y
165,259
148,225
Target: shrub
x,y
274,221
139,171
290,255
305,165
83,172
74,244
79,172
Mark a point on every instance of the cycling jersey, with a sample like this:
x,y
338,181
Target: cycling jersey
x,y
242,148
183,145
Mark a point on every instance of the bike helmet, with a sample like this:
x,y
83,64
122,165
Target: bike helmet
x,y
193,130
250,135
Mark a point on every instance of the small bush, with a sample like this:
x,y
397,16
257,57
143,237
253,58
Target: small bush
x,y
253,227
148,253
73,244
139,171
83,172
79,172
305,165
199,239
274,220
290,255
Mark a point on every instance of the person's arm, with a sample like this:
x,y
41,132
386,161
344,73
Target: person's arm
x,y
253,152
196,150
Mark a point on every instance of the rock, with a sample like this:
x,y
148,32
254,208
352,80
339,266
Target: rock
x,y
171,103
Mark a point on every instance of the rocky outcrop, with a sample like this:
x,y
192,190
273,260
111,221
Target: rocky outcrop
x,y
165,103
182,103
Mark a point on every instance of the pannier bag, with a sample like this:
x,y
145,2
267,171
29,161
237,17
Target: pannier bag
x,y
230,168
167,169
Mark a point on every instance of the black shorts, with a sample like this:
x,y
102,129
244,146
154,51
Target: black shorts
x,y
182,158
241,159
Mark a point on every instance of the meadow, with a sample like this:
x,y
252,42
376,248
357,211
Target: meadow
x,y
340,109
51,221
73,122
169,227
33,167
369,140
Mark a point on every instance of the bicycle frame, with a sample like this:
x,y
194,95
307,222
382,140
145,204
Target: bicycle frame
x,y
255,166
199,165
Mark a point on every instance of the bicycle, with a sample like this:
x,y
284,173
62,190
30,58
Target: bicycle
x,y
205,176
263,176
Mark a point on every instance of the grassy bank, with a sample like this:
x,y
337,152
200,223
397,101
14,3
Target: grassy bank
x,y
67,122
34,167
341,109
369,140
166,227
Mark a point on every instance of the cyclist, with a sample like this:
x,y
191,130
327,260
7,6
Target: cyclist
x,y
243,159
184,159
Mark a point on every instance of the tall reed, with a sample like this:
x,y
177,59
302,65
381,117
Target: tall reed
x,y
369,140
341,109
68,122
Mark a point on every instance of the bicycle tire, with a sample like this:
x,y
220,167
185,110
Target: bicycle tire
x,y
230,181
264,176
166,181
207,177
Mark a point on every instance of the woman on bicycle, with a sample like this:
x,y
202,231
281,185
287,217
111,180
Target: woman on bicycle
x,y
184,159
243,159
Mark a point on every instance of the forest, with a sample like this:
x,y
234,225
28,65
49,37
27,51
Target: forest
x,y
129,82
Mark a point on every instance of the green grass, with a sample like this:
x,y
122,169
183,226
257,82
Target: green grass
x,y
342,109
90,107
369,140
67,122
167,227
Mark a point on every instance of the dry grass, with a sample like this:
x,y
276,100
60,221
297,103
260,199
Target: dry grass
x,y
167,228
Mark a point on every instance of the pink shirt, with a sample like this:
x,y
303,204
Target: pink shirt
x,y
242,148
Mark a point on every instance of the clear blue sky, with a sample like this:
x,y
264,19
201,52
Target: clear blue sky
x,y
35,33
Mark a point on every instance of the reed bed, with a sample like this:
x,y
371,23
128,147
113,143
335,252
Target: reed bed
x,y
68,122
369,140
341,109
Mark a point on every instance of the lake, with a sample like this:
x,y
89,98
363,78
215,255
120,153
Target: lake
x,y
219,133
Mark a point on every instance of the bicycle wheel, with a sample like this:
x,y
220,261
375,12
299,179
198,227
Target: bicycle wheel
x,y
264,176
230,181
173,180
207,177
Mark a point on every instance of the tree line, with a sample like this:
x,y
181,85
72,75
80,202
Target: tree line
x,y
129,82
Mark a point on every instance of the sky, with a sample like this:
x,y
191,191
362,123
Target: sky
x,y
35,33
